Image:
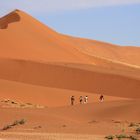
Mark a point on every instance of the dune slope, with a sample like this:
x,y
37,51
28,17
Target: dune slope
x,y
39,66
68,77
33,54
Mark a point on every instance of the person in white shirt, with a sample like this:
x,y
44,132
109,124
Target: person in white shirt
x,y
85,99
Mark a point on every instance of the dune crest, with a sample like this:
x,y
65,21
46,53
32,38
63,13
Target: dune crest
x,y
8,19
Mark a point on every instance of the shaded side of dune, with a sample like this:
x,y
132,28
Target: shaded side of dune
x,y
61,76
8,19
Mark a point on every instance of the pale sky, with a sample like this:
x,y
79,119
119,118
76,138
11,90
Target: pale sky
x,y
115,21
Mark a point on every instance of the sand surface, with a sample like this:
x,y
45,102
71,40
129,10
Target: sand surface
x,y
48,136
41,67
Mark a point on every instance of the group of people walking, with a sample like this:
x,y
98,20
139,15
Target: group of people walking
x,y
84,100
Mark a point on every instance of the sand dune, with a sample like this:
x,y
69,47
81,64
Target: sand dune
x,y
33,40
41,66
63,77
124,54
47,96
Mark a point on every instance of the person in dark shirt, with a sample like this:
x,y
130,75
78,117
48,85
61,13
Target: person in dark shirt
x,y
72,100
81,99
101,98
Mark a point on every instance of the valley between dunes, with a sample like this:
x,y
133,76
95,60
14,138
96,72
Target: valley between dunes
x,y
40,69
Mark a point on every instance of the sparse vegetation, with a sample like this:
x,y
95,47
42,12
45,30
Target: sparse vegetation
x,y
133,138
110,137
138,130
15,123
133,124
22,121
123,130
122,136
15,104
6,127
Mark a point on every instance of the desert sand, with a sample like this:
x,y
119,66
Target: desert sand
x,y
40,69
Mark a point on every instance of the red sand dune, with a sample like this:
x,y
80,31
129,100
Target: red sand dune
x,y
63,77
34,54
40,66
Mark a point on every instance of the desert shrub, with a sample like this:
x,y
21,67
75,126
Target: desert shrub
x,y
6,127
133,125
14,123
133,138
17,122
22,121
110,137
122,136
138,130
